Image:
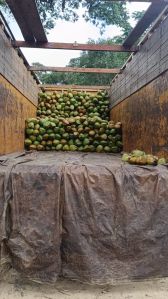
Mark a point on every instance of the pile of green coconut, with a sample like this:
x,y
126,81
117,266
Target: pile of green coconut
x,y
73,121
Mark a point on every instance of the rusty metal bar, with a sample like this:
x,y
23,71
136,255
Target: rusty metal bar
x,y
52,87
74,69
73,46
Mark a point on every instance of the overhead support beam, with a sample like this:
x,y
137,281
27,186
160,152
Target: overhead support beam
x,y
27,17
148,18
73,46
20,19
54,87
74,70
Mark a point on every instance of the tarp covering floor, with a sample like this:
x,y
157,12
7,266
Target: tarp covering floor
x,y
65,289
83,216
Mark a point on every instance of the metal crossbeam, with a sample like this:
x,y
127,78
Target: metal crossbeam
x,y
75,69
55,87
73,46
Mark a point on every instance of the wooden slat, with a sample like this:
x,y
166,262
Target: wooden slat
x,y
75,69
27,17
33,19
14,109
149,62
78,87
73,46
22,22
144,118
151,14
9,34
14,70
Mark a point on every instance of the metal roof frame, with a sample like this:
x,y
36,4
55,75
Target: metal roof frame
x,y
35,37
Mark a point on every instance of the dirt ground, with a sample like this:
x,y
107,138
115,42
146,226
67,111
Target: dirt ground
x,y
15,288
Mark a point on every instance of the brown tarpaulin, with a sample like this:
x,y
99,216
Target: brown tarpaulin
x,y
85,216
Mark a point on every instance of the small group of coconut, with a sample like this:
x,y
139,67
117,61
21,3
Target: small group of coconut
x,y
139,157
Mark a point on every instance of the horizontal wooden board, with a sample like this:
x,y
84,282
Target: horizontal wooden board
x,y
14,109
144,116
74,69
73,46
14,70
144,66
74,87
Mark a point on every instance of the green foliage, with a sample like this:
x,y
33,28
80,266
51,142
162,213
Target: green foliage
x,y
97,12
103,13
53,78
3,6
137,15
50,77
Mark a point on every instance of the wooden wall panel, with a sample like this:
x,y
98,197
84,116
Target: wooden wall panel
x,y
14,109
146,65
14,70
144,116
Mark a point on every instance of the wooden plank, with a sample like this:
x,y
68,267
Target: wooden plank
x,y
14,109
33,19
75,87
27,17
151,14
13,69
144,118
74,69
21,20
73,46
149,62
10,35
